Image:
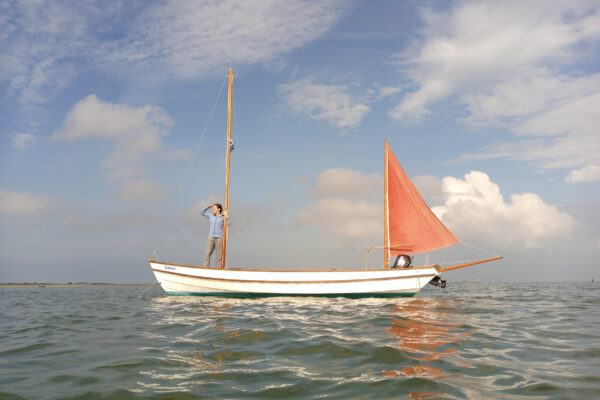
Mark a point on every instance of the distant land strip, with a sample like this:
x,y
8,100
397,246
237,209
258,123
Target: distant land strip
x,y
78,284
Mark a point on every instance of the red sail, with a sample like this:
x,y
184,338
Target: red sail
x,y
413,228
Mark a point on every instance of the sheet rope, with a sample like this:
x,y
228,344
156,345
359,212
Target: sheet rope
x,y
470,259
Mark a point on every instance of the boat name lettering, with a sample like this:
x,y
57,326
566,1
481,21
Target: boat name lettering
x,y
170,268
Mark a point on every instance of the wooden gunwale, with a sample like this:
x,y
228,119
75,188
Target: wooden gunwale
x,y
287,270
295,282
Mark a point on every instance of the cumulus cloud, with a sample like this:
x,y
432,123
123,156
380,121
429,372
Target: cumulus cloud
x,y
344,218
331,103
339,182
475,208
347,205
586,174
430,187
136,132
20,203
508,63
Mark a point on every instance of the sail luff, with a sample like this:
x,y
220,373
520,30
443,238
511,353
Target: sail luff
x,y
386,214
226,205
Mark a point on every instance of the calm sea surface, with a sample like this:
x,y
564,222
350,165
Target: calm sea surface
x,y
471,340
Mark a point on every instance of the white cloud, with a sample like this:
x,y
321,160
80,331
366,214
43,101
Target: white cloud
x,y
564,135
338,182
480,43
22,141
588,173
193,215
474,208
43,44
92,221
244,217
577,116
344,218
20,203
348,206
331,103
195,38
136,132
510,64
430,187
389,91
38,41
142,190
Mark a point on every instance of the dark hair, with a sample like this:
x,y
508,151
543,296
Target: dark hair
x,y
219,206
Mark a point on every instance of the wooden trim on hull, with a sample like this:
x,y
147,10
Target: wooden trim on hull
x,y
248,295
430,276
286,270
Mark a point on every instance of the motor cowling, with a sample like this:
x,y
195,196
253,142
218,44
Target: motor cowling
x,y
437,281
402,261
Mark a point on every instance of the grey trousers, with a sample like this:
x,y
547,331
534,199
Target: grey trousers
x,y
212,244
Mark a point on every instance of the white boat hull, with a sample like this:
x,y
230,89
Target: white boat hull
x,y
178,279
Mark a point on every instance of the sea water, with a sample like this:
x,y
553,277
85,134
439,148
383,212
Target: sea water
x,y
468,341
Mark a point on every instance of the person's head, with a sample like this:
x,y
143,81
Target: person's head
x,y
217,208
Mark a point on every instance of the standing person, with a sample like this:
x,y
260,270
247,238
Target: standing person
x,y
215,233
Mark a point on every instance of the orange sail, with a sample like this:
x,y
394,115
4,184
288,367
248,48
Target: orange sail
x,y
411,227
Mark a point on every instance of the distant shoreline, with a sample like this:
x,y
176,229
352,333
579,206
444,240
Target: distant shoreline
x,y
69,284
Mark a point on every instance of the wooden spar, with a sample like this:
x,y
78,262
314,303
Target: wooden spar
x,y
469,264
226,210
386,214
382,247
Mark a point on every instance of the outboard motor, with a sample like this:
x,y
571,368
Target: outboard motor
x,y
402,261
437,281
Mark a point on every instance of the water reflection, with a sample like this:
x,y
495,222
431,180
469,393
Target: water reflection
x,y
425,330
198,342
265,342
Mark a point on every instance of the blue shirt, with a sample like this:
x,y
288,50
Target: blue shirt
x,y
216,223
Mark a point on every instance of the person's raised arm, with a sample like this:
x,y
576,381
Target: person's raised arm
x,y
205,212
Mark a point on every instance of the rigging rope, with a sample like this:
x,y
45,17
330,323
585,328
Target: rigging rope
x,y
205,129
470,259
478,248
235,123
145,290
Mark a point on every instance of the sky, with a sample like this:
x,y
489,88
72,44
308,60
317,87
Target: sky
x,y
113,133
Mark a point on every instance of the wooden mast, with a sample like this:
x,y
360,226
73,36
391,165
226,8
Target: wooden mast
x,y
226,206
386,216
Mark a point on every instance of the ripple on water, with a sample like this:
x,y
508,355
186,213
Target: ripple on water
x,y
469,341
28,349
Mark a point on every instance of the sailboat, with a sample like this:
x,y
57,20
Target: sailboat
x,y
410,227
